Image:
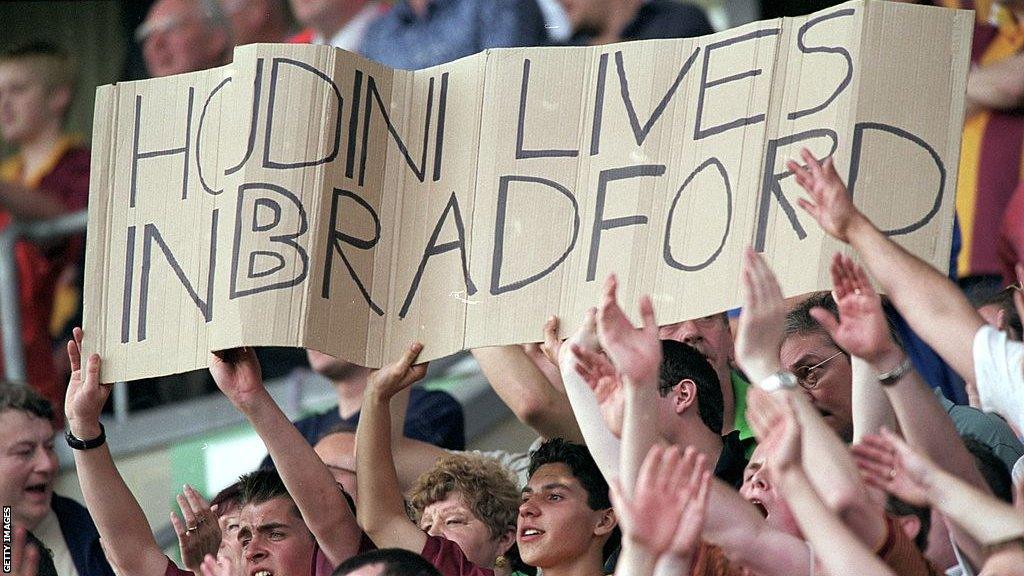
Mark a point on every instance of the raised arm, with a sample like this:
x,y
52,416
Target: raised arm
x,y
665,514
934,307
776,426
636,355
862,331
309,482
827,463
893,463
382,508
527,391
603,445
119,519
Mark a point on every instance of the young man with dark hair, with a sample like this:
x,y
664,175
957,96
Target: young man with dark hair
x,y
272,534
566,522
28,468
47,177
386,562
686,378
712,337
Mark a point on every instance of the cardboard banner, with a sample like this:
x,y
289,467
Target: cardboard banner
x,y
304,196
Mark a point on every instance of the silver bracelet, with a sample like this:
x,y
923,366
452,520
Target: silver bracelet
x,y
893,376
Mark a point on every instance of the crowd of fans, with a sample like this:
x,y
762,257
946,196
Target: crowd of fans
x,y
824,434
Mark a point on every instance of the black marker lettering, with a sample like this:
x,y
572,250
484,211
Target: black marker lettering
x,y
337,238
434,249
199,138
824,50
420,170
151,235
266,197
268,138
183,150
257,85
600,224
129,285
856,148
521,152
699,132
640,132
499,233
667,248
771,183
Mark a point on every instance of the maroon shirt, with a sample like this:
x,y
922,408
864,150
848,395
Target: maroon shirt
x,y
449,560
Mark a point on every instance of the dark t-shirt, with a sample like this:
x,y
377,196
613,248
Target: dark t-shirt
x,y
433,416
732,461
660,19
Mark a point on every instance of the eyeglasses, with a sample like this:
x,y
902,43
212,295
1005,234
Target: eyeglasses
x,y
808,376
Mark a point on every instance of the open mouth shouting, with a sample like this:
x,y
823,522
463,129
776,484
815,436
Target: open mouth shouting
x,y
760,507
529,534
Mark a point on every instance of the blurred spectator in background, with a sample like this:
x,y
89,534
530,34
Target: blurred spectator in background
x,y
257,20
607,21
47,177
184,36
339,23
422,33
433,416
28,469
555,21
993,140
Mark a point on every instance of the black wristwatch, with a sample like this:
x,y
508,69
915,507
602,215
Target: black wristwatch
x,y
79,444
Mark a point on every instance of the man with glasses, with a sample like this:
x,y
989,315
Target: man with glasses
x,y
821,367
824,371
181,36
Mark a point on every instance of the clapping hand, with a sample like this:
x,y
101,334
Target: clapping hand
x,y
760,328
861,329
830,203
198,530
774,423
666,511
635,352
888,463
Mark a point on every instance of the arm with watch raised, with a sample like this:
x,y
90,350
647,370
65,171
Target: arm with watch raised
x,y
863,332
130,546
827,462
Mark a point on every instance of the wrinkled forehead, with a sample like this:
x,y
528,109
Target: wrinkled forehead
x,y
452,503
806,348
710,327
18,426
280,510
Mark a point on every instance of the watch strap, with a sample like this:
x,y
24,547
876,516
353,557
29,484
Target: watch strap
x,y
893,376
79,444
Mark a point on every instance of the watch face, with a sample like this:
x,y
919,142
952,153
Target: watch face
x,y
779,381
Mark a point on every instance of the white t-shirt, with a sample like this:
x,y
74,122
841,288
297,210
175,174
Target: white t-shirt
x,y
999,371
48,532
